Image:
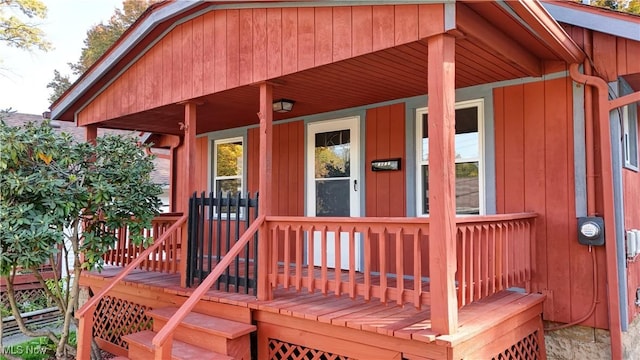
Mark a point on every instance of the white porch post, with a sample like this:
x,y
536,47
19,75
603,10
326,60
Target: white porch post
x,y
264,187
442,176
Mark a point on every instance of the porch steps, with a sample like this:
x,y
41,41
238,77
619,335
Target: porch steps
x,y
141,348
199,336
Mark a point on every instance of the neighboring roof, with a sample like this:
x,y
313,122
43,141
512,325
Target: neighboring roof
x,y
607,21
160,174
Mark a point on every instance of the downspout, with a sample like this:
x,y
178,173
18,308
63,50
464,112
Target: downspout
x,y
588,132
611,246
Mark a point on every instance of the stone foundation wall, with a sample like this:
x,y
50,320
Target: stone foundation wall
x,y
586,343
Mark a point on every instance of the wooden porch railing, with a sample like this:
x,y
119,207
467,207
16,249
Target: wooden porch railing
x,y
164,258
493,253
392,266
85,314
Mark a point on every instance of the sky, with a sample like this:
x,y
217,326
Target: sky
x,y
24,75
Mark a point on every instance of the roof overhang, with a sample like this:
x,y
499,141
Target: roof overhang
x,y
606,21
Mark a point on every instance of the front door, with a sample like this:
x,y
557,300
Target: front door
x,y
333,188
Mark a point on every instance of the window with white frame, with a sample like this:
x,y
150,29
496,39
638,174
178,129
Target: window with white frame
x,y
469,159
629,116
228,166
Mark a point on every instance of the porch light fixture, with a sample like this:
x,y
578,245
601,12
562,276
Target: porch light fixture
x,y
283,105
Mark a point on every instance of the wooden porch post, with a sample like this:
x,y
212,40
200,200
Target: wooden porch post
x,y
91,133
442,177
264,187
189,128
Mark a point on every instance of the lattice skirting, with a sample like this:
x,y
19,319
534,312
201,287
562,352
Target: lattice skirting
x,y
280,350
22,296
526,349
116,317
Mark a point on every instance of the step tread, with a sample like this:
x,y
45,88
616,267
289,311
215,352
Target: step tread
x,y
216,326
180,350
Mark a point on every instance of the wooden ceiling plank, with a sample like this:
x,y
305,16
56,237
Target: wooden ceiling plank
x,y
478,29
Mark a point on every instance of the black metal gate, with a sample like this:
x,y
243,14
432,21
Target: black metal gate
x,y
215,224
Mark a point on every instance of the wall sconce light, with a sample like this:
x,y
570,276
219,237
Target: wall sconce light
x,y
283,105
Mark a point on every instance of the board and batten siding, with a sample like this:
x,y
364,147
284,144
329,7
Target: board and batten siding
x,y
287,177
631,183
534,172
612,56
385,191
224,49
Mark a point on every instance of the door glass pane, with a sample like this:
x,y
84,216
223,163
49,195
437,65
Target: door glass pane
x,y
467,188
332,198
332,154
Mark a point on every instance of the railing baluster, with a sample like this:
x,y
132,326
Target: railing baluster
x,y
237,264
247,248
227,272
417,268
275,241
323,273
492,263
210,217
462,266
400,266
337,269
287,256
310,259
299,256
367,264
352,262
382,258
218,207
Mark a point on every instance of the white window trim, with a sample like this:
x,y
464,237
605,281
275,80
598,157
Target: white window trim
x,y
479,104
214,165
629,140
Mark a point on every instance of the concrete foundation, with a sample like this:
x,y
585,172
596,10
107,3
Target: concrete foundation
x,y
586,343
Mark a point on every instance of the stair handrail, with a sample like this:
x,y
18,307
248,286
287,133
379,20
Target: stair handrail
x,y
93,301
168,329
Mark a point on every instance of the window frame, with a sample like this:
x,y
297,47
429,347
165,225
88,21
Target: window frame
x,y
419,112
214,169
629,120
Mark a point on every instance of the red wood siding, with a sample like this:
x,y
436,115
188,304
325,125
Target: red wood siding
x,y
287,178
612,56
202,168
534,172
385,191
631,181
385,139
223,49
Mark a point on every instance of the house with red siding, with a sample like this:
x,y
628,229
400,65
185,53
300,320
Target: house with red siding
x,y
375,180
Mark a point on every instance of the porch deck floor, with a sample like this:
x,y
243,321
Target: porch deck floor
x,y
389,319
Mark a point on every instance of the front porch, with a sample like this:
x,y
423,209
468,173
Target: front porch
x,y
293,324
334,305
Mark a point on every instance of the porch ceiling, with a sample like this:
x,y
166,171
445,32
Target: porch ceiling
x,y
385,75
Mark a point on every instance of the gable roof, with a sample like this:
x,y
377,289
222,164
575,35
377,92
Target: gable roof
x,y
532,23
